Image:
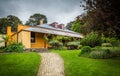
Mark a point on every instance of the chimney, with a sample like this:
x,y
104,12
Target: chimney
x,y
54,24
41,21
61,26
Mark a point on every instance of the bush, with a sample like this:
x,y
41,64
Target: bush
x,y
85,49
91,40
115,53
112,41
14,47
106,44
2,47
97,48
79,46
55,44
100,54
73,45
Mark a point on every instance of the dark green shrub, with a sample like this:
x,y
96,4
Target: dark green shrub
x,y
55,44
85,49
14,47
79,46
73,45
91,40
115,53
2,47
100,54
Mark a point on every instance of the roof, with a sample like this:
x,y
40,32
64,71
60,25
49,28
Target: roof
x,y
46,28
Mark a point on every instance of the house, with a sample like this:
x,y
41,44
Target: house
x,y
33,36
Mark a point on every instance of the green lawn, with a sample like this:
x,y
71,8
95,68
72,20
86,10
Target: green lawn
x,y
81,66
19,64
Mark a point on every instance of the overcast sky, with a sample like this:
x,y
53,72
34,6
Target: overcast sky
x,y
61,11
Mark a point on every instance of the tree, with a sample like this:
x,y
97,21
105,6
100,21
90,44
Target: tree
x,y
10,20
13,21
5,39
69,25
35,19
104,16
3,25
81,25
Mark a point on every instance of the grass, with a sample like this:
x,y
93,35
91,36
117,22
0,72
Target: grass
x,y
82,66
19,64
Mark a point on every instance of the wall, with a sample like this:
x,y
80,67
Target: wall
x,y
24,37
39,41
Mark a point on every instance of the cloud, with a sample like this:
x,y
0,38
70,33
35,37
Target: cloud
x,y
61,11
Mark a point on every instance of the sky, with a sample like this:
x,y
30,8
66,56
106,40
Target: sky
x,y
61,11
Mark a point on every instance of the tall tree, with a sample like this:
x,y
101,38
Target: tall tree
x,y
35,19
13,21
69,25
10,20
3,25
80,24
104,16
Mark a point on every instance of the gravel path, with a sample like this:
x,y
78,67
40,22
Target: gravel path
x,y
51,65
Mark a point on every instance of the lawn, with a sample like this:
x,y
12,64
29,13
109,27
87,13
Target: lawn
x,y
19,64
82,66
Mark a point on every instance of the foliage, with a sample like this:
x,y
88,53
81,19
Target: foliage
x,y
76,26
5,38
80,25
106,44
115,53
113,41
55,44
35,19
14,47
69,25
82,66
100,54
20,64
103,16
73,45
2,47
10,20
91,40
80,46
85,49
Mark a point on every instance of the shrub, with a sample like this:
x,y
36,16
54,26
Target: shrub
x,y
115,53
85,49
14,47
100,54
97,48
91,40
73,45
112,41
106,44
79,46
55,44
2,47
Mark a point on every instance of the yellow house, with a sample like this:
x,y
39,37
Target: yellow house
x,y
33,36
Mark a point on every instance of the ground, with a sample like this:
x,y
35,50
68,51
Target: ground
x,y
19,64
28,64
82,66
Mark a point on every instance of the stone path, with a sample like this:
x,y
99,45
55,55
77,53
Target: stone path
x,y
51,65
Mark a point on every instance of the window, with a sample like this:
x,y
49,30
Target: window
x,y
32,37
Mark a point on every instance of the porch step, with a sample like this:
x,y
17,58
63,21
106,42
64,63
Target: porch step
x,y
36,50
